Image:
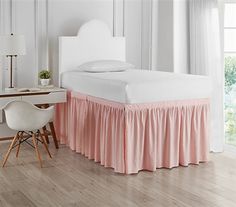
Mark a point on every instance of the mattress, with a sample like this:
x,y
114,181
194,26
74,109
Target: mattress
x,y
138,86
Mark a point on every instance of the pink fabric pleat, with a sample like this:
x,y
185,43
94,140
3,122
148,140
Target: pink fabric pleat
x,y
134,137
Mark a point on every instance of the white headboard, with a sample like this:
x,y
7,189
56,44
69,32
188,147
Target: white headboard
x,y
93,42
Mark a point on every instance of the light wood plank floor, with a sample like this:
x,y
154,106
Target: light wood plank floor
x,y
70,179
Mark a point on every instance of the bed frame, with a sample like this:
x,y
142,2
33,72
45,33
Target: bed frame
x,y
126,137
93,42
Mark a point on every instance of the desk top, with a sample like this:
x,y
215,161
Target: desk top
x,y
42,91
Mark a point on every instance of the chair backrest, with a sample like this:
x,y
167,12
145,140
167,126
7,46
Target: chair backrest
x,y
24,116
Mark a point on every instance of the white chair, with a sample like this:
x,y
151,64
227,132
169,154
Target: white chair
x,y
51,130
27,120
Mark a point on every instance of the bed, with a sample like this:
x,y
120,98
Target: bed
x,y
131,120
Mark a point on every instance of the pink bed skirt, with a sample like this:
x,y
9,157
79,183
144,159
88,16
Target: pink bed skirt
x,y
134,137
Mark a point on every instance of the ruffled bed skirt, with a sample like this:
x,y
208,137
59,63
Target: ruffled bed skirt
x,y
134,137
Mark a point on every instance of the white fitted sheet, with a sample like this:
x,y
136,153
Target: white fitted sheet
x,y
138,86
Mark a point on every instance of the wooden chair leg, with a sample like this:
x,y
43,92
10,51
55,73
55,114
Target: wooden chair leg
x,y
45,144
53,134
18,147
10,148
45,134
37,150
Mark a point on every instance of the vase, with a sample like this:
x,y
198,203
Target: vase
x,y
44,82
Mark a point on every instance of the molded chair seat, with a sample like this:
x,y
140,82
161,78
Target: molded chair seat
x,y
27,119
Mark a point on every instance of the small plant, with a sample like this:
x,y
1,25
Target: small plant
x,y
44,74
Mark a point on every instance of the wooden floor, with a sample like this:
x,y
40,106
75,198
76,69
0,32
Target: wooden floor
x,y
69,179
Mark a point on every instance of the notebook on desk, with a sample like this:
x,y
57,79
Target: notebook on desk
x,y
28,89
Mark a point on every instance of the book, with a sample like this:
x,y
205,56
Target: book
x,y
28,89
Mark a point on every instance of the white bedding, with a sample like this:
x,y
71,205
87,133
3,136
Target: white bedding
x,y
138,86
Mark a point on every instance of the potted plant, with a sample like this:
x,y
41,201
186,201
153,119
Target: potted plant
x,y
44,76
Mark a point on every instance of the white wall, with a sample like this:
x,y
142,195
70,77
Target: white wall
x,y
155,30
181,36
43,21
132,31
5,25
170,36
24,22
165,36
67,23
147,25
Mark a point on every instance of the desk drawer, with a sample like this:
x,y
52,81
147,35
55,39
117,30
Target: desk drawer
x,y
51,98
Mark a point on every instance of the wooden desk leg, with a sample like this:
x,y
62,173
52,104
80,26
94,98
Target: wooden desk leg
x,y
53,134
45,134
44,143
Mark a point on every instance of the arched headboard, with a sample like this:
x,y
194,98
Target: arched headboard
x,y
93,42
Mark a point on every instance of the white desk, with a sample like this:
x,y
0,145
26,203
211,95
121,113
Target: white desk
x,y
44,96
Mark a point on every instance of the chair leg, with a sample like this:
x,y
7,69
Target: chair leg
x,y
37,150
45,144
45,134
53,134
18,147
10,148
